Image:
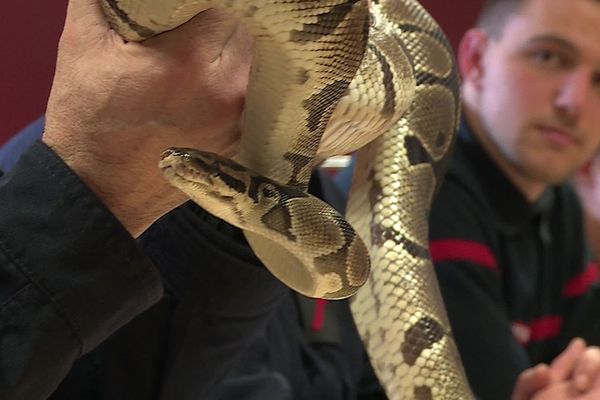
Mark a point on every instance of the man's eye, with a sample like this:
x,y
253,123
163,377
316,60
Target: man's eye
x,y
549,58
544,56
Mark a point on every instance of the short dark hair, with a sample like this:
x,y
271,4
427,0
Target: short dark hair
x,y
495,13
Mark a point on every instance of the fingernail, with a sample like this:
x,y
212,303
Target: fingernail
x,y
575,342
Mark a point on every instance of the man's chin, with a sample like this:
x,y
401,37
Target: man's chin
x,y
552,176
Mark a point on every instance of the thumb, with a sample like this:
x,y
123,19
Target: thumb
x,y
587,369
531,381
86,17
563,365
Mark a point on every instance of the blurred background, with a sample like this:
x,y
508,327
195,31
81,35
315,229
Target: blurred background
x,y
30,32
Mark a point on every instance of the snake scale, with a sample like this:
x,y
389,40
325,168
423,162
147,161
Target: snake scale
x,y
331,77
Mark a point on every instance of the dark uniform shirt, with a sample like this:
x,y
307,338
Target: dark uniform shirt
x,y
514,275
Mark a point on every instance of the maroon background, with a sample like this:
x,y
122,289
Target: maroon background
x,y
29,34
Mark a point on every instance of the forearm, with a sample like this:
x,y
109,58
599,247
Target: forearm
x,y
71,275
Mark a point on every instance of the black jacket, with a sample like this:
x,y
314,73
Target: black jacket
x,y
516,276
80,299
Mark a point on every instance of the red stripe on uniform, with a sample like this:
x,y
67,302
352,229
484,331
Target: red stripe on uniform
x,y
582,282
546,327
462,250
540,329
319,318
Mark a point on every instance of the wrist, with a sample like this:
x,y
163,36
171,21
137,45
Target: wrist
x,y
137,195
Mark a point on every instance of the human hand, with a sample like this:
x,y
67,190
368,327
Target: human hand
x,y
574,374
584,370
115,105
531,381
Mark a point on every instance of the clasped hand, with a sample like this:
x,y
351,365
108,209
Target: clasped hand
x,y
574,374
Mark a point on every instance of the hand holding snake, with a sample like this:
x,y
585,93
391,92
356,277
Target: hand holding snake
x,y
115,106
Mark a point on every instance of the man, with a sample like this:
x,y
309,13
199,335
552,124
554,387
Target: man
x,y
506,232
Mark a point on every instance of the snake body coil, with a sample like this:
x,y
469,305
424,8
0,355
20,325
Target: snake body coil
x,y
318,88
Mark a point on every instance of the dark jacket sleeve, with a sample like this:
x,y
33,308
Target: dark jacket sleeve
x,y
219,297
462,249
225,298
70,274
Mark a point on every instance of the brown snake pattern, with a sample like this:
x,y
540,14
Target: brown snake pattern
x,y
399,312
318,88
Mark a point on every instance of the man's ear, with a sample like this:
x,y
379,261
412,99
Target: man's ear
x,y
470,56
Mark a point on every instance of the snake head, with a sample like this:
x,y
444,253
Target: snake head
x,y
179,165
203,171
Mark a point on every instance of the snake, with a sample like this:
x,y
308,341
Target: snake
x,y
334,77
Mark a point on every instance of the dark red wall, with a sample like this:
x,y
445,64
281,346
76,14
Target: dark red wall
x,y
29,33
28,36
455,16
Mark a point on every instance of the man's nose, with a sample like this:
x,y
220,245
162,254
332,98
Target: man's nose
x,y
573,94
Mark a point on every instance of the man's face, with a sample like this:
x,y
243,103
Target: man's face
x,y
538,98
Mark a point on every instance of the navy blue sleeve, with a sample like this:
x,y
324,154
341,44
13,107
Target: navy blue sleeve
x,y
12,150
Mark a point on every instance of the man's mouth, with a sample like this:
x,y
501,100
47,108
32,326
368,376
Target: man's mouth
x,y
557,136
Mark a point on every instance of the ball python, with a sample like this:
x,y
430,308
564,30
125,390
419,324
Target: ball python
x,y
331,77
